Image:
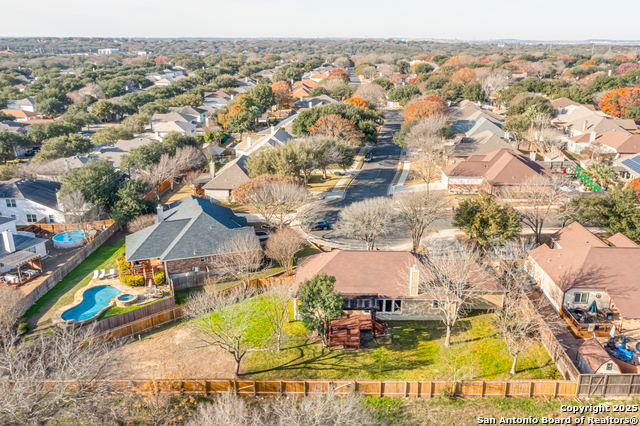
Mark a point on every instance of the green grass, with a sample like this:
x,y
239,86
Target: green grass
x,y
114,310
316,184
416,352
62,293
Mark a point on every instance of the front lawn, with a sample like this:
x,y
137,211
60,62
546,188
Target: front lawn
x,y
62,293
316,184
416,352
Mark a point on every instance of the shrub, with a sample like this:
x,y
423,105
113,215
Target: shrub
x,y
23,328
158,278
132,280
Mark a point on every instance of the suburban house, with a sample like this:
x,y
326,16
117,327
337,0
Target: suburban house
x,y
26,104
491,173
186,239
163,129
30,200
245,84
267,73
162,82
169,117
618,142
217,99
477,124
271,139
385,281
14,127
309,83
286,124
466,110
308,103
597,123
301,91
20,115
197,114
579,269
225,180
628,166
55,169
14,241
479,144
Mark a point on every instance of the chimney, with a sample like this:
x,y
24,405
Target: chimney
x,y
414,280
310,104
212,169
532,156
586,125
67,166
592,137
609,73
7,238
248,141
301,98
232,96
273,130
160,213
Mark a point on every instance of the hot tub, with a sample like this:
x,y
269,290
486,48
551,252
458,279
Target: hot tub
x,y
68,239
125,300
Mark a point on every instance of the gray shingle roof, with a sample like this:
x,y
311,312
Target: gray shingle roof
x,y
22,242
195,228
230,176
39,191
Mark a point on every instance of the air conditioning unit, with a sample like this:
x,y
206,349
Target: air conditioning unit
x,y
196,269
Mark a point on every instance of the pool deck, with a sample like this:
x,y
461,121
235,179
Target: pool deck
x,y
78,297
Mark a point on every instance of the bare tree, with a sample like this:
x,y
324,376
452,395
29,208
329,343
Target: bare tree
x,y
283,246
318,410
278,202
426,146
418,210
278,297
450,280
373,94
541,69
11,307
53,374
75,206
538,195
141,222
386,69
243,258
168,167
342,62
225,319
492,81
368,72
192,178
459,364
367,219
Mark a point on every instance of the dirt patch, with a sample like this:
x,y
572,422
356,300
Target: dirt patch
x,y
177,348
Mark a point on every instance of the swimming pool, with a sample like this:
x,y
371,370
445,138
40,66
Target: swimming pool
x,y
94,300
68,239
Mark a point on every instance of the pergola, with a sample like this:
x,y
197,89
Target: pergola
x,y
21,258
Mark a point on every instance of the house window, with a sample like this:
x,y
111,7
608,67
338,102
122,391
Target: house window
x,y
52,219
202,259
437,304
11,202
580,297
352,304
366,304
609,366
31,218
13,216
390,306
31,249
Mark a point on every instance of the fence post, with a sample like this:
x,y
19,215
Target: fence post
x,y
483,389
506,385
531,389
555,390
430,389
406,389
381,388
254,388
132,335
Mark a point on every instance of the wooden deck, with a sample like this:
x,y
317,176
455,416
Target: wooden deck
x,y
345,331
581,330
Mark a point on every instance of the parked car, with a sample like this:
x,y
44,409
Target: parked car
x,y
262,236
368,157
30,153
321,225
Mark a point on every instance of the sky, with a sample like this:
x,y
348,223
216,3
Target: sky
x,y
445,19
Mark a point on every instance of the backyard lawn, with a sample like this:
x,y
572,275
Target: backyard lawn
x,y
39,315
416,352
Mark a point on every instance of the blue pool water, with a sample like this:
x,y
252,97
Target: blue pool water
x,y
93,301
68,236
126,297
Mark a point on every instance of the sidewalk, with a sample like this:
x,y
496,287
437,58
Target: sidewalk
x,y
338,191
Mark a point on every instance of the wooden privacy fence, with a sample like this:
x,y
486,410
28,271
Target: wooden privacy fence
x,y
145,324
606,385
399,389
199,280
55,228
135,315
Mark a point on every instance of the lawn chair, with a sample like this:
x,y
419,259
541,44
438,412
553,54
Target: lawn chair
x,y
101,274
95,274
112,273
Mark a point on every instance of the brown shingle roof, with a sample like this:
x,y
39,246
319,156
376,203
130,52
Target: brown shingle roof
x,y
620,140
502,167
583,262
594,354
381,274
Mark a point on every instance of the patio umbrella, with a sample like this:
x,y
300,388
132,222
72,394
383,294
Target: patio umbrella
x,y
593,308
613,331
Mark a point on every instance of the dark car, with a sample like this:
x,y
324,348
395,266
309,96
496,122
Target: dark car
x,y
29,153
320,225
368,157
